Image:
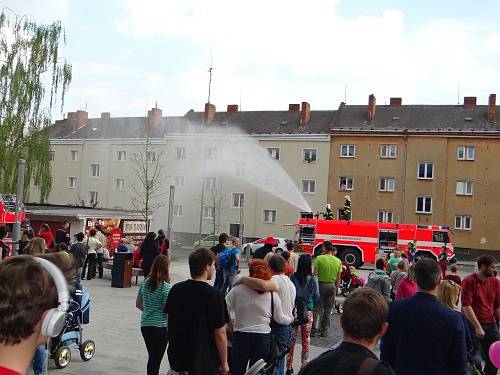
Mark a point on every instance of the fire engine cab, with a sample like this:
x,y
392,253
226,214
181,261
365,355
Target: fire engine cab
x,y
358,242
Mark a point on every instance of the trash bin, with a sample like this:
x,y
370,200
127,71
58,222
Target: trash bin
x,y
122,270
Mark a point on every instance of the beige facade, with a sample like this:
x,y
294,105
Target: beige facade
x,y
442,179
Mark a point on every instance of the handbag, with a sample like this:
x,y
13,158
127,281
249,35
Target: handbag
x,y
274,350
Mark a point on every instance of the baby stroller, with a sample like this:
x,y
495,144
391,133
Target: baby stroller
x,y
349,280
261,367
71,335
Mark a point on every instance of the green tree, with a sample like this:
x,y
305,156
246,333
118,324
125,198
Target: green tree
x,y
33,79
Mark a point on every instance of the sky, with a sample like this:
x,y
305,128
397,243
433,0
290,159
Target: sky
x,y
129,54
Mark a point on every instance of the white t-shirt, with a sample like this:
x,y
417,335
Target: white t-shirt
x,y
294,260
251,310
286,291
102,239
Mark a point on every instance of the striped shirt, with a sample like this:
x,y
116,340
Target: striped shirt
x,y
154,303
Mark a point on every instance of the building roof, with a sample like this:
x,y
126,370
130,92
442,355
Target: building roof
x,y
251,122
415,118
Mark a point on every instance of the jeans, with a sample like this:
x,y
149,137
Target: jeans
x,y
156,340
248,347
283,335
40,361
85,267
100,257
324,305
229,276
79,271
219,277
490,336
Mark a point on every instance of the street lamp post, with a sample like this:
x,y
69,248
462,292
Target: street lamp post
x,y
16,231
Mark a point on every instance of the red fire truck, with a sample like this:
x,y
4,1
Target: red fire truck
x,y
358,242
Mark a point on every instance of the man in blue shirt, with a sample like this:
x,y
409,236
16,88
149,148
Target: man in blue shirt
x,y
424,335
231,265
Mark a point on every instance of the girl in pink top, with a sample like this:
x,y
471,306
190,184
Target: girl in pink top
x,y
407,287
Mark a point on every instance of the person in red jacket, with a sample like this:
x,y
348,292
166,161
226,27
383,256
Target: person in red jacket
x,y
137,257
47,235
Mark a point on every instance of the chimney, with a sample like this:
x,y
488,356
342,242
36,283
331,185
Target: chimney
x,y
470,101
295,108
209,114
81,119
154,118
396,102
371,107
71,115
492,106
305,113
232,108
105,115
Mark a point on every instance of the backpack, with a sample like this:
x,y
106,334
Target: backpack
x,y
227,258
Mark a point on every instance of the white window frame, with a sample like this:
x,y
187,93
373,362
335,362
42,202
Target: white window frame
x,y
309,190
52,156
311,151
211,153
151,156
386,151
464,188
178,210
98,169
119,153
179,181
116,185
208,212
347,148
75,185
426,163
210,183
76,153
241,195
96,197
424,198
385,214
387,184
269,213
347,179
463,221
465,150
274,152
180,153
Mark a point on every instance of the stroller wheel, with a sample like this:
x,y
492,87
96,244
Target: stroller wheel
x,y
339,307
87,350
62,357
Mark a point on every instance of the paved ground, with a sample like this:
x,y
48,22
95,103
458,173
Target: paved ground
x,y
115,328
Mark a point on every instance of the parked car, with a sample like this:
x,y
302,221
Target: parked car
x,y
278,248
209,241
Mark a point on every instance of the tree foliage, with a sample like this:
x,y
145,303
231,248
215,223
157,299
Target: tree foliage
x,y
33,79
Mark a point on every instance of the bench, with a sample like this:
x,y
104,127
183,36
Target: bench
x,y
135,271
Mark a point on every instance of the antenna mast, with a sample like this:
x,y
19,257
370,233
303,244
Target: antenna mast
x,y
458,94
210,75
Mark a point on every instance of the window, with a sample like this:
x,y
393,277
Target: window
x,y
309,186
340,214
121,155
347,151
464,187
425,171
73,155
463,222
238,199
208,212
239,169
388,151
180,153
310,154
346,183
94,170
424,205
92,197
270,216
52,155
387,184
150,156
210,153
179,181
119,183
466,153
72,182
210,183
385,216
274,152
440,237
177,210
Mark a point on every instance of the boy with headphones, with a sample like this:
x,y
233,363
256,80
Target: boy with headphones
x,y
34,299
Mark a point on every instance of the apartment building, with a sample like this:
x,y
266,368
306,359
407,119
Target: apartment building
x,y
220,153
423,164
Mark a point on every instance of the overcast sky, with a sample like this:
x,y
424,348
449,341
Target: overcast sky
x,y
128,54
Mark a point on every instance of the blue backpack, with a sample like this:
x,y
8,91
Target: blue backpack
x,y
227,258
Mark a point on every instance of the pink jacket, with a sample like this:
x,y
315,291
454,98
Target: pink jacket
x,y
406,288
